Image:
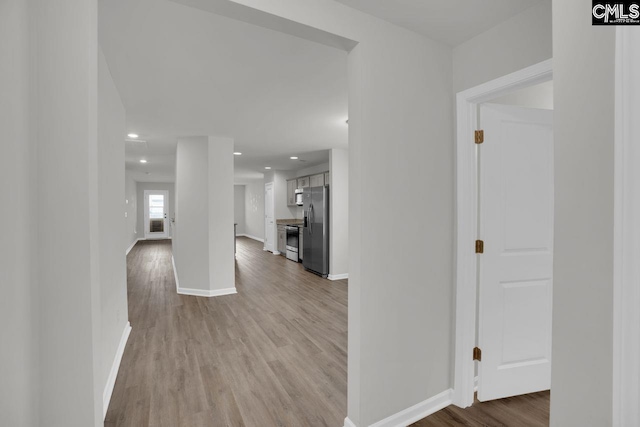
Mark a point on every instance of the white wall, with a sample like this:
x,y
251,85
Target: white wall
x,y
111,208
221,238
18,304
339,213
584,71
190,235
517,43
538,96
239,211
165,186
254,209
63,287
131,209
279,178
203,234
312,170
65,130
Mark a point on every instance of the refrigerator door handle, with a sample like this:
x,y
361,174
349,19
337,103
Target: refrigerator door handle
x,y
311,219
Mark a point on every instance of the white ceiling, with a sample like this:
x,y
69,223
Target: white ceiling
x,y
448,21
181,71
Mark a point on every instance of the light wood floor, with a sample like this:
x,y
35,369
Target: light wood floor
x,y
275,354
530,410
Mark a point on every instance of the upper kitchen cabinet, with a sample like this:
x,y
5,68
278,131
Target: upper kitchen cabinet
x,y
317,180
303,182
326,178
292,185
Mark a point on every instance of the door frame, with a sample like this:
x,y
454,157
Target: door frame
x,y
266,226
167,223
467,216
626,251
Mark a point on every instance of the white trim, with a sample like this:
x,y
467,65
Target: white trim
x,y
113,374
626,275
199,292
132,245
338,276
250,237
466,216
418,411
207,292
348,423
175,273
272,245
276,253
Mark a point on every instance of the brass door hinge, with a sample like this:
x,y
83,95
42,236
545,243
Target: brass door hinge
x,y
479,136
477,354
479,246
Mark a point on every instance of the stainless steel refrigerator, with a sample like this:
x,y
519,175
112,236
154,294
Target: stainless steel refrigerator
x,y
315,201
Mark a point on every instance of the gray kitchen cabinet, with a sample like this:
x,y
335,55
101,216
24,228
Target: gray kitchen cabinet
x,y
292,184
282,240
316,180
326,178
303,182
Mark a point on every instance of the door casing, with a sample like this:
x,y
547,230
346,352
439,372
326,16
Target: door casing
x,y
467,216
270,228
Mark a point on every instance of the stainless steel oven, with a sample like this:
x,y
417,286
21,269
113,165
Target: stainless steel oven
x,y
293,235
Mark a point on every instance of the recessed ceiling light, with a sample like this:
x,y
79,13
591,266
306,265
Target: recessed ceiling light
x,y
267,167
293,158
237,153
132,135
143,161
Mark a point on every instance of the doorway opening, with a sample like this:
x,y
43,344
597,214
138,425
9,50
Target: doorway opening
x,y
504,237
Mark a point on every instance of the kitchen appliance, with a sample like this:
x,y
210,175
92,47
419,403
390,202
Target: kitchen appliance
x,y
298,194
316,230
292,242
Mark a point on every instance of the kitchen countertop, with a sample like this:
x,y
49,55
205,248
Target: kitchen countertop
x,y
290,222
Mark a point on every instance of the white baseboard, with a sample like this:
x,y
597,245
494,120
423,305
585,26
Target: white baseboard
x,y
175,273
276,253
416,412
250,237
113,374
207,292
338,276
199,292
348,423
132,245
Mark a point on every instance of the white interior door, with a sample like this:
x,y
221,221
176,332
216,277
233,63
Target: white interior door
x,y
515,270
269,221
156,208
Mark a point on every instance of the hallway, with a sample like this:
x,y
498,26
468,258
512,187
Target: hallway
x,y
275,354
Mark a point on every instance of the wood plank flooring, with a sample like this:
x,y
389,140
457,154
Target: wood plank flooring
x,y
275,354
530,410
